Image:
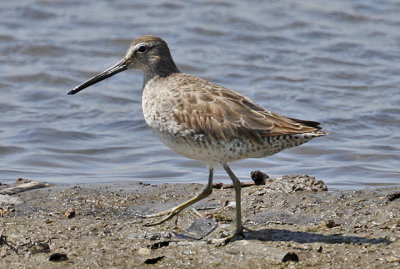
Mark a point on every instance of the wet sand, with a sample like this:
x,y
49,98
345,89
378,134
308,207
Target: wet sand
x,y
291,225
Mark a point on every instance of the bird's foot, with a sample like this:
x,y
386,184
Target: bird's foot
x,y
169,214
238,234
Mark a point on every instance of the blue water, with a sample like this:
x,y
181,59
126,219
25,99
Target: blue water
x,y
337,62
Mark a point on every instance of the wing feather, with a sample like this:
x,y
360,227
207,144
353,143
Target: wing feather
x,y
223,114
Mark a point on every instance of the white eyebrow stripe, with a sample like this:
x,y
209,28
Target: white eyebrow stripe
x,y
138,45
132,49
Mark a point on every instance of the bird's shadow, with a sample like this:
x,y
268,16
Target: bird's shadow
x,y
307,237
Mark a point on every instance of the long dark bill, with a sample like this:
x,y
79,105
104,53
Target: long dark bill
x,y
119,67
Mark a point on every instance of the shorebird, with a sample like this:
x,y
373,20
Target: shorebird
x,y
204,121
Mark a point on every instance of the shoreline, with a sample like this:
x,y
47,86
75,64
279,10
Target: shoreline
x,y
99,225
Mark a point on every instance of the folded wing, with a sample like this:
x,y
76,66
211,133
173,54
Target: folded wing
x,y
224,114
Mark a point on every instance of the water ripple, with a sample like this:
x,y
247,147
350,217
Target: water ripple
x,y
336,62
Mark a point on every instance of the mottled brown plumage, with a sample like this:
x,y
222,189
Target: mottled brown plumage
x,y
202,120
224,114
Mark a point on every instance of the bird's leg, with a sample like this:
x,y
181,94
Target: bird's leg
x,y
175,210
239,226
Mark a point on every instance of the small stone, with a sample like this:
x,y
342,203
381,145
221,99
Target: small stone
x,y
290,257
218,185
231,204
393,196
70,213
199,229
331,224
143,251
58,257
154,260
259,177
160,244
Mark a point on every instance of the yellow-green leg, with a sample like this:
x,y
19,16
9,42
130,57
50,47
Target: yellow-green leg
x,y
239,226
175,210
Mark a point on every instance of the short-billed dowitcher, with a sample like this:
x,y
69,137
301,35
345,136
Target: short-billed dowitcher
x,y
204,121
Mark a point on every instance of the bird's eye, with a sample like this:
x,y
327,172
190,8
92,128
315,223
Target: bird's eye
x,y
142,49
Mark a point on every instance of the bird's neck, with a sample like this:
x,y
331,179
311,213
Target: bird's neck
x,y
161,69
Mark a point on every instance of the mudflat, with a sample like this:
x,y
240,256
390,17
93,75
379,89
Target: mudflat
x,y
292,222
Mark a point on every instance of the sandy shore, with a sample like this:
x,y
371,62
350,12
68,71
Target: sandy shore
x,y
91,226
